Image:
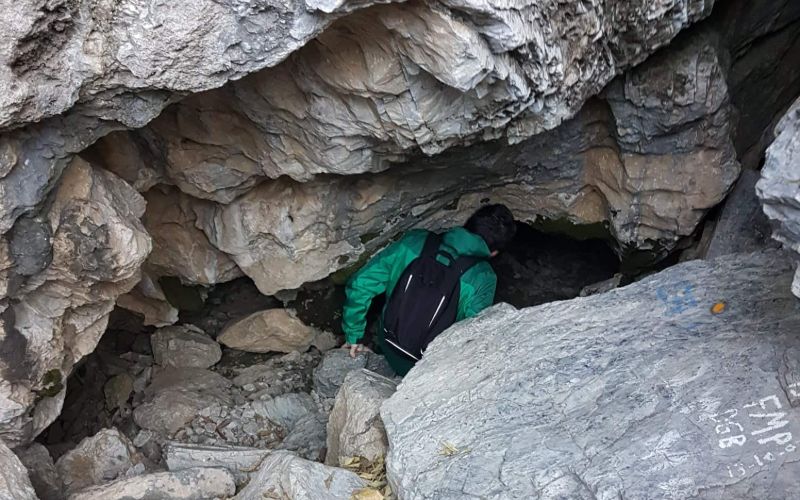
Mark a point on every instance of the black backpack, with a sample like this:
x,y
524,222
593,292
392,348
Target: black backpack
x,y
424,301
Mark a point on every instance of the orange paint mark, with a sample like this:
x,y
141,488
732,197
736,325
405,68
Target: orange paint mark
x,y
718,308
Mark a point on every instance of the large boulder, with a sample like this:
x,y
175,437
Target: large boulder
x,y
273,330
240,461
70,265
199,483
683,385
98,459
14,481
184,346
285,475
779,187
330,374
355,428
176,395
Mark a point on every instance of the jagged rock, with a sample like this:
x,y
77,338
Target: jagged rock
x,y
184,346
148,300
325,340
200,483
742,226
176,395
240,461
273,330
285,475
355,428
681,385
779,186
602,286
98,459
649,173
303,424
336,364
375,87
63,297
117,390
42,471
14,482
180,248
107,67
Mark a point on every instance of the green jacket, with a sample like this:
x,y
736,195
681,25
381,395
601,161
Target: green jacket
x,y
381,273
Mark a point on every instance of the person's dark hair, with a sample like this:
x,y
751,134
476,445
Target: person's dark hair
x,y
493,223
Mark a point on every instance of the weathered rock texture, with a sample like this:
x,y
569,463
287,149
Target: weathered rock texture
x,y
742,226
14,482
184,346
176,395
98,459
70,265
683,385
273,330
284,475
200,483
648,161
240,461
355,428
779,187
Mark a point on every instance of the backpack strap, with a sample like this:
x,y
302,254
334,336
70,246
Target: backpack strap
x,y
432,244
465,263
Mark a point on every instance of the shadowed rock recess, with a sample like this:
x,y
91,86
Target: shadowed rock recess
x,y
185,187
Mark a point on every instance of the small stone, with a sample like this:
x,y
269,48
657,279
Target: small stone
x,y
142,438
325,340
273,330
184,346
117,390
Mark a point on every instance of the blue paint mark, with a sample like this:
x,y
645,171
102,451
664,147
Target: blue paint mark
x,y
678,299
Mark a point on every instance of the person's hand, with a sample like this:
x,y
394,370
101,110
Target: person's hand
x,y
355,349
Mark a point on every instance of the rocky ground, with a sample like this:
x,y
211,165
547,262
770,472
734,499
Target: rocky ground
x,y
172,417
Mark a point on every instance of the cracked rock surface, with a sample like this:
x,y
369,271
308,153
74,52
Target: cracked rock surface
x,y
779,186
653,390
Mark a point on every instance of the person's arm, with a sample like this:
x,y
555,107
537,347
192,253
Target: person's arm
x,y
480,295
370,281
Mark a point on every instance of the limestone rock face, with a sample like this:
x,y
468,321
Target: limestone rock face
x,y
381,84
742,226
285,475
355,428
73,71
184,346
273,330
678,386
779,187
71,265
199,483
14,482
148,300
179,248
96,460
648,162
